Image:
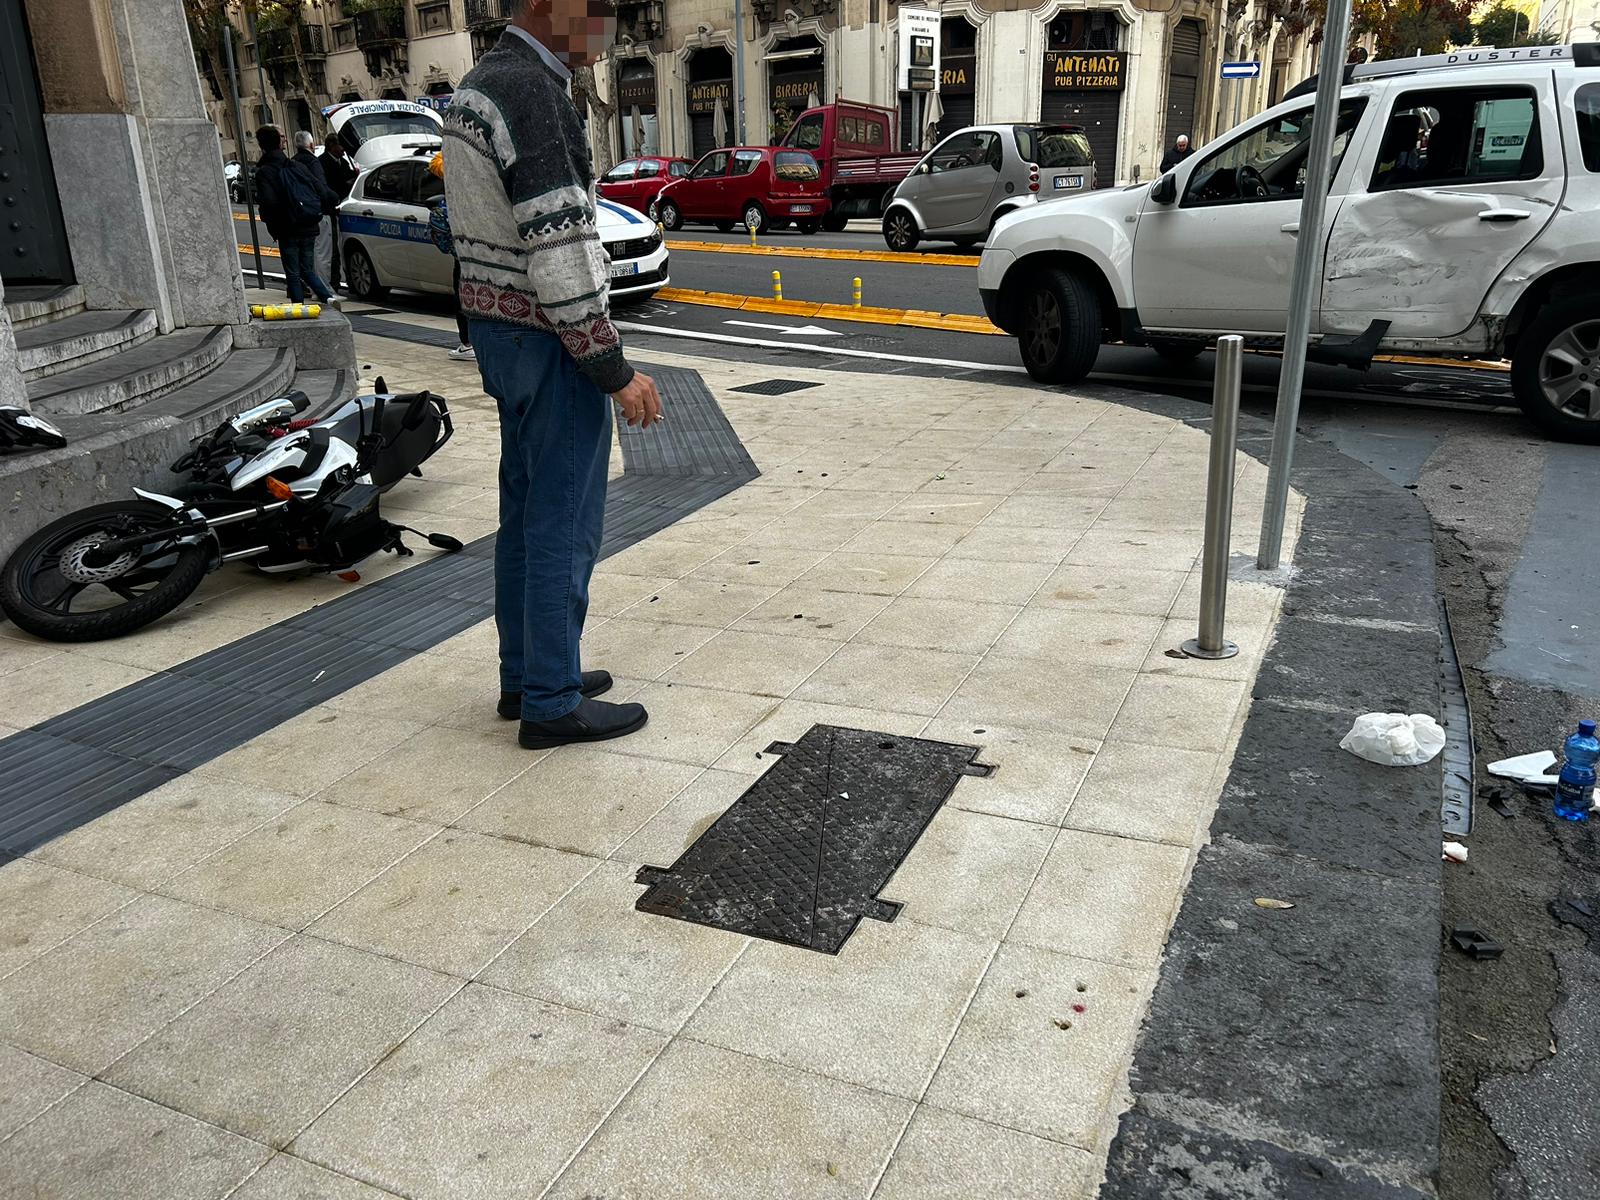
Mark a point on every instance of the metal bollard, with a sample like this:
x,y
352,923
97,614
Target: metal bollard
x,y
856,286
777,286
752,235
1219,503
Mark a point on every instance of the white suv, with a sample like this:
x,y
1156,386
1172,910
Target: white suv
x,y
1464,221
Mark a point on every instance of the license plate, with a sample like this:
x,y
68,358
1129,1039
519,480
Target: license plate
x,y
1068,182
800,208
618,270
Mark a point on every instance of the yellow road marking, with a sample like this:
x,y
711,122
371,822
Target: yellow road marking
x,y
888,256
953,322
266,251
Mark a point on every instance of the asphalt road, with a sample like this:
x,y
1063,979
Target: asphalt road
x,y
1518,564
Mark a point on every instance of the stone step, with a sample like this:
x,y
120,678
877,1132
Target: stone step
x,y
326,389
62,343
133,377
34,304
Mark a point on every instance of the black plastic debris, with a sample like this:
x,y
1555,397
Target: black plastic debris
x,y
1475,943
801,856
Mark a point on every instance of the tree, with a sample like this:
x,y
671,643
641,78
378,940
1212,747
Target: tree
x,y
1503,25
587,95
1403,27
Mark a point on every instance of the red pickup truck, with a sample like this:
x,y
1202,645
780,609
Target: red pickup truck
x,y
854,144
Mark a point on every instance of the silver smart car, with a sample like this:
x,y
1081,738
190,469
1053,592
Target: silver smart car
x,y
979,174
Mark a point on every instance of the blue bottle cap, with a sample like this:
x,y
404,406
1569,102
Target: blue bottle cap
x,y
1586,728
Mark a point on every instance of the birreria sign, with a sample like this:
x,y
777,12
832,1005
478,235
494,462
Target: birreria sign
x,y
919,50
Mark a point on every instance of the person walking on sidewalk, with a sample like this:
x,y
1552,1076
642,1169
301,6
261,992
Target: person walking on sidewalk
x,y
439,228
1180,151
340,174
535,286
305,153
293,202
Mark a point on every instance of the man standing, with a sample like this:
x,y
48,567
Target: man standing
x,y
535,283
293,202
341,174
305,154
1180,151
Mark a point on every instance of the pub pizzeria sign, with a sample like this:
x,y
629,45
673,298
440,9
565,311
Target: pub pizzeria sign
x,y
1084,70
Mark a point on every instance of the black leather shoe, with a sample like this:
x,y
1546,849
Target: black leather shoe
x,y
591,721
595,683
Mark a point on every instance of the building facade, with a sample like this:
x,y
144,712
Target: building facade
x,y
1570,20
668,87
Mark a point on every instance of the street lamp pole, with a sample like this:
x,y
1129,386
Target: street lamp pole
x,y
1308,257
738,70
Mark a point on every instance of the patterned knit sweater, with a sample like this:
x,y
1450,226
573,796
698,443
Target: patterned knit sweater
x,y
521,195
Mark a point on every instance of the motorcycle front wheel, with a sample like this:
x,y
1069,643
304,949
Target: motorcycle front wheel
x,y
55,586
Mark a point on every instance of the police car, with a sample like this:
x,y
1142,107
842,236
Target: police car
x,y
386,240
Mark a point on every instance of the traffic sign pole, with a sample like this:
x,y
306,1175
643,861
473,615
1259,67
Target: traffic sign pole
x,y
1308,257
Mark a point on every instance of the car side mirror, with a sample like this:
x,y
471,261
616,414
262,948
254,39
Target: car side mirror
x,y
433,202
1164,190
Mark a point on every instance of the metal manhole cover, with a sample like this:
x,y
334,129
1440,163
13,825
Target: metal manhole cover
x,y
775,387
801,856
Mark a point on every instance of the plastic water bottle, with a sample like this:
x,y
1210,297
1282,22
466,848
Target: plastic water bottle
x,y
1575,786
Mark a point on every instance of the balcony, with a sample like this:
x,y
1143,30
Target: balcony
x,y
278,45
380,28
770,12
640,20
487,14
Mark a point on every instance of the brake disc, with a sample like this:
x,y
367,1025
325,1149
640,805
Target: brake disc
x,y
75,567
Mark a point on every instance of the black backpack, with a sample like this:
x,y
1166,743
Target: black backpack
x,y
301,193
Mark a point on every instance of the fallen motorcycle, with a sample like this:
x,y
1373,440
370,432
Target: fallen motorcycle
x,y
20,429
284,494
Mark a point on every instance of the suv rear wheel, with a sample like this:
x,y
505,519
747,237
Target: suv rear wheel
x,y
1059,326
1555,373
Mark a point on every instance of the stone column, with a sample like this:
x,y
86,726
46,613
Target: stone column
x,y
138,164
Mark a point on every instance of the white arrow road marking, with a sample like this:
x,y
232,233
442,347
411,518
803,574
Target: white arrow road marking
x,y
800,330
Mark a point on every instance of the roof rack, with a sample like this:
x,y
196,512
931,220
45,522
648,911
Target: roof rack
x,y
1582,54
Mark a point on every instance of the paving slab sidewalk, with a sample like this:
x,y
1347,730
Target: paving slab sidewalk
x,y
380,950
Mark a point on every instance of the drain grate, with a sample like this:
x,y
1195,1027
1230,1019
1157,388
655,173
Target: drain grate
x,y
801,856
775,387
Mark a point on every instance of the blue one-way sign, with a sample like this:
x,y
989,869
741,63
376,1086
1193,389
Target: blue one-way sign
x,y
1241,70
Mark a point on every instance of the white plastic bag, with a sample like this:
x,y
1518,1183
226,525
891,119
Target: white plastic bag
x,y
1394,739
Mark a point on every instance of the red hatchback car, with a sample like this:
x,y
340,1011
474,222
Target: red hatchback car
x,y
635,182
759,186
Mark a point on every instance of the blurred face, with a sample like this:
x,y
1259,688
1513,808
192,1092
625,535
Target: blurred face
x,y
576,31
1183,142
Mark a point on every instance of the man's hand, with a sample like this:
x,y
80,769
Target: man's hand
x,y
639,401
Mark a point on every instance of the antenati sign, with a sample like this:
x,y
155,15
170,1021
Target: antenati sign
x,y
1084,70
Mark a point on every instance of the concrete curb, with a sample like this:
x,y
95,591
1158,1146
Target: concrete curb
x,y
1294,1052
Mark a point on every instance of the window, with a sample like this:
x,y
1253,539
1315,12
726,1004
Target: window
x,y
366,126
1053,145
621,173
1268,162
679,169
649,168
1587,101
970,148
807,133
861,131
344,35
713,164
1460,135
429,186
796,166
388,182
433,18
745,161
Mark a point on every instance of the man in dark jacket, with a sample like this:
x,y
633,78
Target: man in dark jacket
x,y
287,191
1180,151
341,174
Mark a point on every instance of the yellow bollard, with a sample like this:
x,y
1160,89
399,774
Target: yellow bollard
x,y
777,286
856,285
752,235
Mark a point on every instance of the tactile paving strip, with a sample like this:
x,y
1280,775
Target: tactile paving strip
x,y
74,767
801,856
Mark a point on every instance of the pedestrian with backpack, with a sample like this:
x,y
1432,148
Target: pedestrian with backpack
x,y
293,202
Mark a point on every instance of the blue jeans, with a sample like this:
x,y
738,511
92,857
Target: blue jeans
x,y
555,450
299,253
